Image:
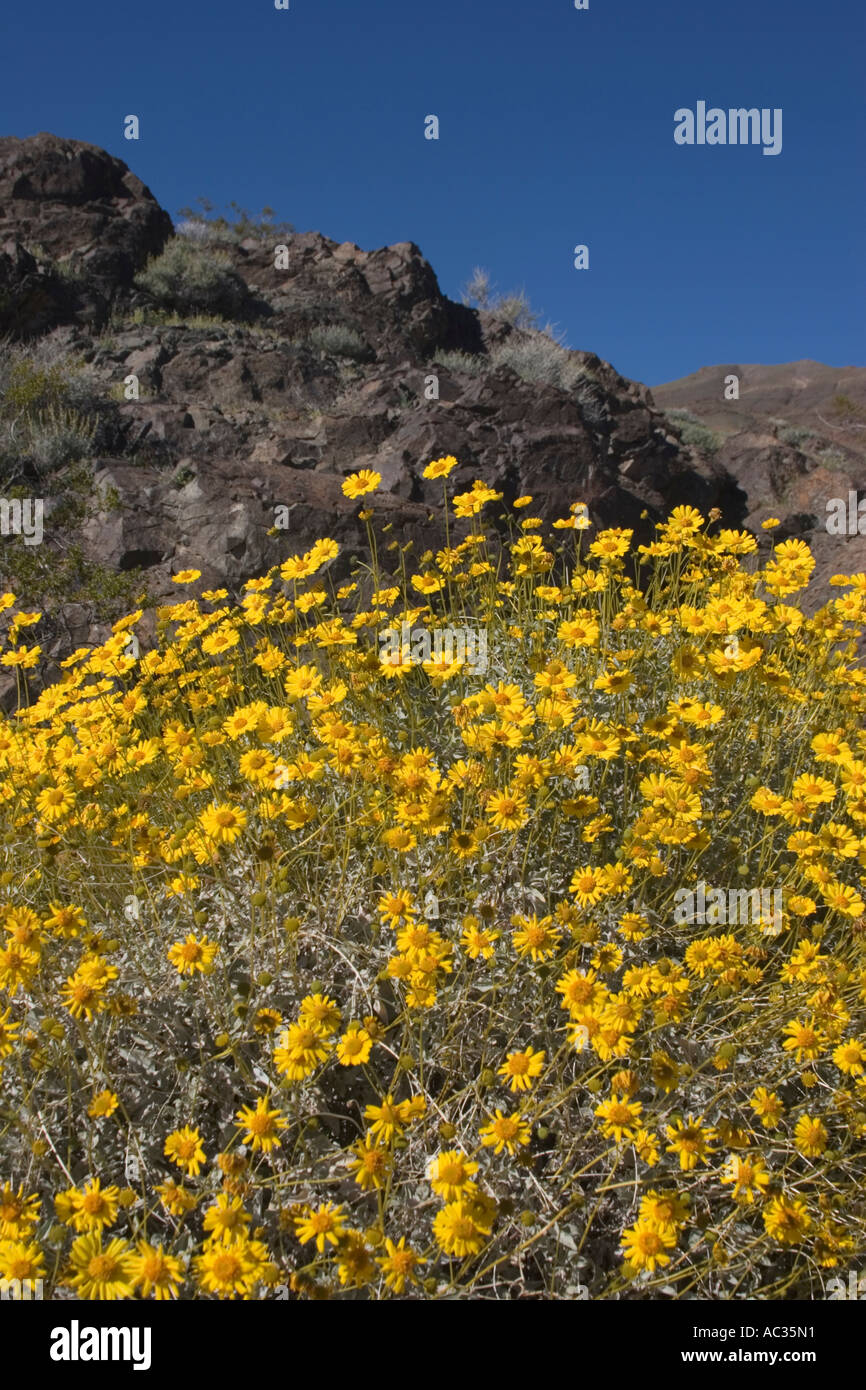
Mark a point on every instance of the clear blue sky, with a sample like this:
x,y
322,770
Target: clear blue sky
x,y
556,129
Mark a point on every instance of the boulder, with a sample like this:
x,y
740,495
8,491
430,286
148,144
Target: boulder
x,y
82,213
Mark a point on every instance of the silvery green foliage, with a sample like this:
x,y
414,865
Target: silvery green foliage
x,y
795,435
469,363
337,340
694,433
51,409
59,435
190,278
196,230
538,357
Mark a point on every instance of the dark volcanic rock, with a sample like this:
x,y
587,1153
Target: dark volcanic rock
x,y
85,211
32,298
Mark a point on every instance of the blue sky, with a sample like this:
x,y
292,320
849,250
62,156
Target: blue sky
x,y
556,128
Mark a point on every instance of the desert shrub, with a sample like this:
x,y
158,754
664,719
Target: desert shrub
x,y
34,376
470,363
514,307
190,278
69,270
796,435
833,459
59,435
846,408
702,438
150,317
536,357
73,274
200,230
338,340
27,385
199,224
372,971
53,576
533,359
478,290
694,433
52,580
51,409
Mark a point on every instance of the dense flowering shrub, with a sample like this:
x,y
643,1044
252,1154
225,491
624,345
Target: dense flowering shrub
x,y
327,975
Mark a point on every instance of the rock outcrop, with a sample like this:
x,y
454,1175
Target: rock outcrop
x,y
75,226
232,453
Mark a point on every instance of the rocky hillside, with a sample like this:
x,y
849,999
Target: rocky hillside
x,y
794,439
193,397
